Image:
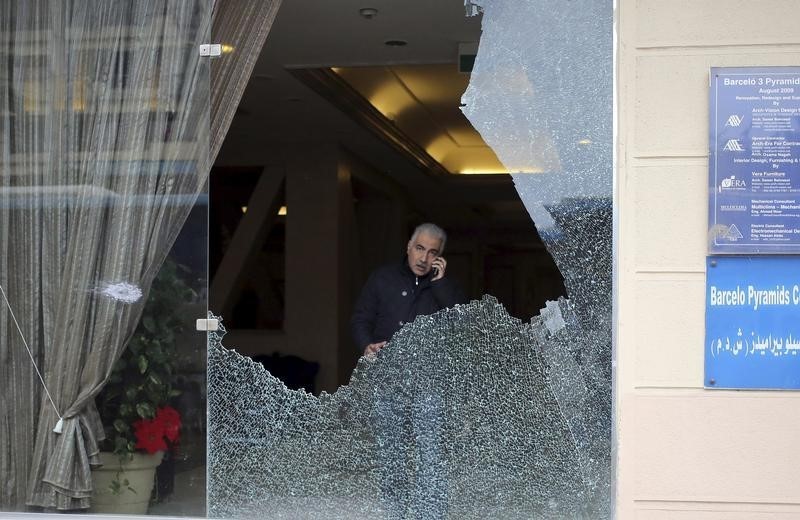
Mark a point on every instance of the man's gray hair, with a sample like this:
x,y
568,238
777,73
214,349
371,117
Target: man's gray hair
x,y
433,230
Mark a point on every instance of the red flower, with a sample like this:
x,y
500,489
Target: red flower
x,y
152,434
170,421
149,436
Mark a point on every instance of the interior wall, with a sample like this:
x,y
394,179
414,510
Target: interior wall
x,y
685,452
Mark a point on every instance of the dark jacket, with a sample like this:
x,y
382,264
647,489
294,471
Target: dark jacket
x,y
393,296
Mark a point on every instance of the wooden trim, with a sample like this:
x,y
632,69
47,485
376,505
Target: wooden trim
x,y
332,87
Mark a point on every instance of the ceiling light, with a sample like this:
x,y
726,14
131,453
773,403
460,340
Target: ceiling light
x,y
500,171
368,12
395,43
585,141
282,211
483,171
227,49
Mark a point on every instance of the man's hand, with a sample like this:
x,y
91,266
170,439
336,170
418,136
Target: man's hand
x,y
439,265
372,349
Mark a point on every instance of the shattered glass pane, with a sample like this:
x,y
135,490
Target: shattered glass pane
x,y
540,95
467,413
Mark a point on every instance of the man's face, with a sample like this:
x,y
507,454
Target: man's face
x,y
422,251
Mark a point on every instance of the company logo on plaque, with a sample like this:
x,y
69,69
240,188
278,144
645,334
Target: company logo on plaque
x,y
731,234
732,184
724,208
734,120
733,145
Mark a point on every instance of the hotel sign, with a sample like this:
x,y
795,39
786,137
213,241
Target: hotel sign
x,y
752,335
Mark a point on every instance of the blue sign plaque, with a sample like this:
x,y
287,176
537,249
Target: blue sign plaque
x,y
752,322
754,160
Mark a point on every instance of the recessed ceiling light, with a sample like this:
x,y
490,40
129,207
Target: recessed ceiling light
x,y
585,141
395,43
368,12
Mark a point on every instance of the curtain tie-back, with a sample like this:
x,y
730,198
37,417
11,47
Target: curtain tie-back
x,y
73,455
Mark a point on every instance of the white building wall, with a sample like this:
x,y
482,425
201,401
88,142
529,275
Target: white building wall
x,y
684,452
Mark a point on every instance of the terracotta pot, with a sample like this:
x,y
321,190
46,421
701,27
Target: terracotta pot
x,y
139,472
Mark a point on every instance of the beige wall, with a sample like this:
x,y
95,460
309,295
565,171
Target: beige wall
x,y
684,452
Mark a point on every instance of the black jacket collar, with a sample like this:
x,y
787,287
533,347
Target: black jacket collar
x,y
408,273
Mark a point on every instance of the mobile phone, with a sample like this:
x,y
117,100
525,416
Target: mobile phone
x,y
435,271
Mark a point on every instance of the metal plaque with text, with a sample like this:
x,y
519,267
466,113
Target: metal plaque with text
x,y
754,161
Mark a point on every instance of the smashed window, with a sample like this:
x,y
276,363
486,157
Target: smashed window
x,y
469,412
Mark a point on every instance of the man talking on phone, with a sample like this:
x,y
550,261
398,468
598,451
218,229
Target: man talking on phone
x,y
397,293
393,296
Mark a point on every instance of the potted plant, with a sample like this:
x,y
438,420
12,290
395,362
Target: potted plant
x,y
141,426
